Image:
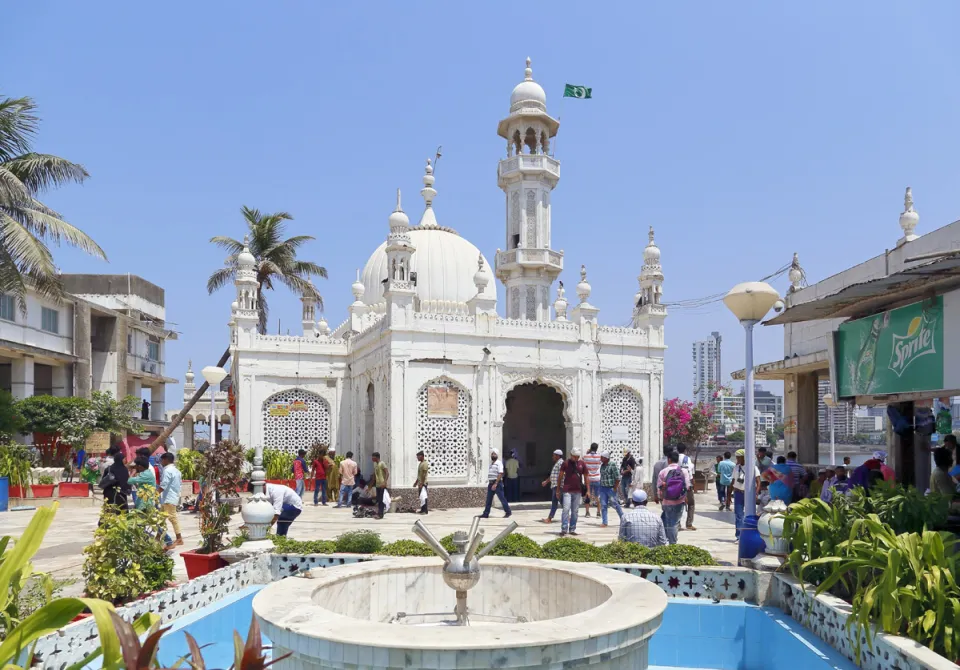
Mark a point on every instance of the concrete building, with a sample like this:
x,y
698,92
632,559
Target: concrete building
x,y
728,411
870,424
767,402
886,330
424,359
107,334
706,368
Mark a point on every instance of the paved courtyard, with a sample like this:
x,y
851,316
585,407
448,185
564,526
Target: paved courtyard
x,y
62,551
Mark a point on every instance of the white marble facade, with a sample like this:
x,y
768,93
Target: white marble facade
x,y
425,315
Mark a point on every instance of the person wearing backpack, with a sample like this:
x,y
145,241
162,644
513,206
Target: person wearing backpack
x,y
687,464
672,486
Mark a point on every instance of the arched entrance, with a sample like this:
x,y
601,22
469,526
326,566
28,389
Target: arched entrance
x,y
534,425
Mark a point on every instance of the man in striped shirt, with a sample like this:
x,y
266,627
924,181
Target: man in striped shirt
x,y
592,463
495,486
552,482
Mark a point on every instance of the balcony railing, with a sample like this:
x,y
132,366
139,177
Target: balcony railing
x,y
523,256
529,162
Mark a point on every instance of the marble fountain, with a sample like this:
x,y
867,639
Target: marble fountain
x,y
448,613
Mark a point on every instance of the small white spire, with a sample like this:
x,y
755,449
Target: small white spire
x,y
560,304
398,219
245,259
528,73
480,278
429,219
908,218
583,288
358,288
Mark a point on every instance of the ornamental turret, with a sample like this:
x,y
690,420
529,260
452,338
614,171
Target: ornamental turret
x,y
648,310
246,316
528,266
399,288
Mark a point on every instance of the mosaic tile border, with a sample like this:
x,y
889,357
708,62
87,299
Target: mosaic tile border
x,y
826,617
72,643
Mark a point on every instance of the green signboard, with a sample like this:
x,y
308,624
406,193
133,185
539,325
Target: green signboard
x,y
900,351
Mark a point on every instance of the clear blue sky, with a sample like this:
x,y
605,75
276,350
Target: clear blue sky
x,y
743,132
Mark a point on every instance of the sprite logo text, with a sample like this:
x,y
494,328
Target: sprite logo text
x,y
916,343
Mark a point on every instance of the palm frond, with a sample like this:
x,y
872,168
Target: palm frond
x,y
13,192
308,268
39,172
219,279
25,254
56,230
18,125
299,285
11,281
227,243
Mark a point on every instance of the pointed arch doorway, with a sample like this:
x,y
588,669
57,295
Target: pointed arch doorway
x,y
535,426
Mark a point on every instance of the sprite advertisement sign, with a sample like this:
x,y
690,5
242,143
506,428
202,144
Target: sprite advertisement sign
x,y
900,351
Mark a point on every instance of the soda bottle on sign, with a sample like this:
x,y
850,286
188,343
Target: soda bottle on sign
x,y
867,361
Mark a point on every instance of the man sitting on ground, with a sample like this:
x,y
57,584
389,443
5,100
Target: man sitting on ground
x,y
640,525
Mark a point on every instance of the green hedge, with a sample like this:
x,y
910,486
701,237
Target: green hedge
x,y
562,549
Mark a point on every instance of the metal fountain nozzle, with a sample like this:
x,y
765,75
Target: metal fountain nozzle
x,y
461,569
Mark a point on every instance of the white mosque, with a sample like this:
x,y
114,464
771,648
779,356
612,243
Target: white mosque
x,y
425,360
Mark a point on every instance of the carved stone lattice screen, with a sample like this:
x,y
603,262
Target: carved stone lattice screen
x,y
295,419
444,440
621,417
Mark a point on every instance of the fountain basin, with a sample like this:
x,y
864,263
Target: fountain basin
x,y
571,614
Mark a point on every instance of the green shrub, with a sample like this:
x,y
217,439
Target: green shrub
x,y
189,463
45,480
406,548
126,560
359,542
286,545
626,552
680,555
517,545
572,549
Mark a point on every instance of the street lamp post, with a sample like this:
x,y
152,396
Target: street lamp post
x,y
831,403
750,302
214,376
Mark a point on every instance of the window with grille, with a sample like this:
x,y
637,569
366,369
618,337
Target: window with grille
x,y
153,350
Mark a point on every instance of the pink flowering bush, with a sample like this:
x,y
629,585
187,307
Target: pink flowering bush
x,y
685,422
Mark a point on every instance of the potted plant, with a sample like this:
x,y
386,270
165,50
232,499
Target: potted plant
x,y
44,487
74,490
188,462
15,466
222,472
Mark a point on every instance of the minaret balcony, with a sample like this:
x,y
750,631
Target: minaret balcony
x,y
515,167
548,259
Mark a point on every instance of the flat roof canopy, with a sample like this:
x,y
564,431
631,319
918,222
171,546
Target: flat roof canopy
x,y
788,366
921,281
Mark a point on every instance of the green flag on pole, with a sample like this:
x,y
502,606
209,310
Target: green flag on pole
x,y
582,92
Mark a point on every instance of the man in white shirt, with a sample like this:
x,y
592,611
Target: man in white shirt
x,y
287,506
686,463
495,486
738,489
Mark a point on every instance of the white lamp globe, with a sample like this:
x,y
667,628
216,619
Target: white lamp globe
x,y
750,301
213,374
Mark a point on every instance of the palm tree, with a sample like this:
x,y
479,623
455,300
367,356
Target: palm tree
x,y
276,259
26,224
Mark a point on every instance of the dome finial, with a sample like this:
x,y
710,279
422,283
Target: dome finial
x,y
650,235
528,73
429,219
357,288
245,259
399,221
480,279
399,208
908,218
583,288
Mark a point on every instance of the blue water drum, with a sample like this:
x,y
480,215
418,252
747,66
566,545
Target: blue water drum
x,y
4,494
751,542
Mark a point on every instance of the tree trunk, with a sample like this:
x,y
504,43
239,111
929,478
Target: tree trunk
x,y
162,438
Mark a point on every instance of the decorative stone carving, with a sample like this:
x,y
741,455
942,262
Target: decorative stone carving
x,y
621,408
531,219
444,440
289,427
531,304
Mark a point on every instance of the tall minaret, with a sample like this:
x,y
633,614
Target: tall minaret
x,y
247,315
648,310
527,175
400,290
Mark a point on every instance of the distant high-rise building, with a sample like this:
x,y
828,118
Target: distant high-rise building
x,y
844,414
706,368
767,402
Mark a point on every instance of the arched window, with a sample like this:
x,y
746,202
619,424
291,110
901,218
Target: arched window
x,y
621,421
443,427
295,419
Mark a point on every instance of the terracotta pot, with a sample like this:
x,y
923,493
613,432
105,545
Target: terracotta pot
x,y
309,484
74,490
199,565
42,490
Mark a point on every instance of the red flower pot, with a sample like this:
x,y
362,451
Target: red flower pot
x,y
42,490
310,484
17,492
275,481
74,490
194,485
199,565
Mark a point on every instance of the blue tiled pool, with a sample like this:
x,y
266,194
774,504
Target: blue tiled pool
x,y
695,635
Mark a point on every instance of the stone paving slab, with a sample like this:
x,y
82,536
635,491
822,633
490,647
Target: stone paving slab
x,y
72,529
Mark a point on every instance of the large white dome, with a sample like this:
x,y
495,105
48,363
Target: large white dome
x,y
445,264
